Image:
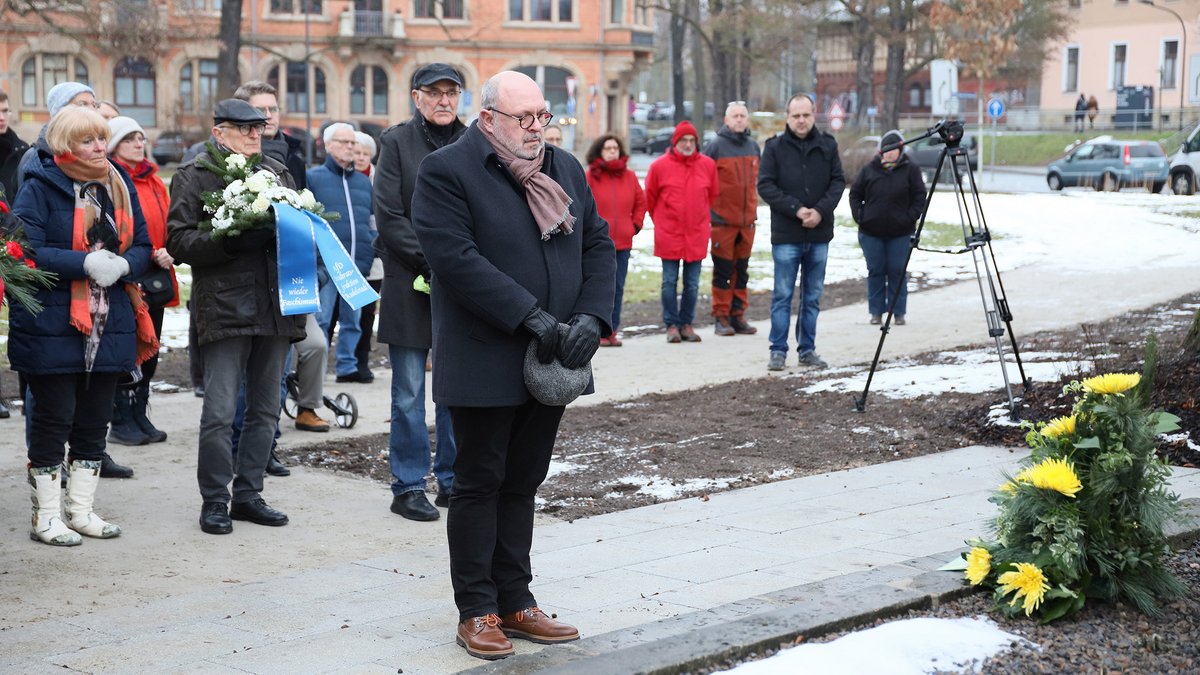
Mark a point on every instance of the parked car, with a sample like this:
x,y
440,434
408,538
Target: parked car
x,y
858,155
1108,164
926,152
1185,165
637,138
170,145
641,112
660,141
662,110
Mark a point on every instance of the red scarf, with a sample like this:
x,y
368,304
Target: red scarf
x,y
615,167
85,216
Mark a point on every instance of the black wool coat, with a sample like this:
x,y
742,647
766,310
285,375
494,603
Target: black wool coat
x,y
491,267
797,172
404,314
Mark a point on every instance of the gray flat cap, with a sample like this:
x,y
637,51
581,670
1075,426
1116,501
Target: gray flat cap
x,y
237,111
553,383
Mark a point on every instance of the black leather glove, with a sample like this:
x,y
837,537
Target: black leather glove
x,y
249,240
581,342
545,328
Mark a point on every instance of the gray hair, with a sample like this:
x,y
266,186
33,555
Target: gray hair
x,y
334,128
736,104
364,139
489,93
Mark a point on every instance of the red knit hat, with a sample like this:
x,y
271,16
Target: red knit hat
x,y
682,129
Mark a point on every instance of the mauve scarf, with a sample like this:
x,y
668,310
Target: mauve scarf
x,y
548,202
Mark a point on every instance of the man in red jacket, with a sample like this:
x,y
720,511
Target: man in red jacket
x,y
733,215
680,190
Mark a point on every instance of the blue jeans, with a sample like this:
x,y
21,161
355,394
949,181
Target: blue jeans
x,y
885,272
679,312
619,297
349,330
810,259
408,445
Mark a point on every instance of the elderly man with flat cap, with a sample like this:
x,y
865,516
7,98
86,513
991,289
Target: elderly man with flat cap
x,y
241,331
405,325
510,230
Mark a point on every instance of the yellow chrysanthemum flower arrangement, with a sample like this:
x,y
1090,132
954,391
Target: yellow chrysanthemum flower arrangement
x,y
1091,497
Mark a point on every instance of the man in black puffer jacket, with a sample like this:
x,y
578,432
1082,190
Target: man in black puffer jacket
x,y
801,178
886,200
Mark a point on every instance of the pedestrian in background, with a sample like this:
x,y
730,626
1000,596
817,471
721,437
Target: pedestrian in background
x,y
131,424
1081,106
93,327
621,202
886,200
801,178
346,192
733,214
681,187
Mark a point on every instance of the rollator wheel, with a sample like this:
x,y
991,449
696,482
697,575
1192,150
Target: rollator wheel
x,y
347,413
290,407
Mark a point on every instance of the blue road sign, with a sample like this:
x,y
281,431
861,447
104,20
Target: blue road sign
x,y
995,108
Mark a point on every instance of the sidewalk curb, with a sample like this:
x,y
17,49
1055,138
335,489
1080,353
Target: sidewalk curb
x,y
705,639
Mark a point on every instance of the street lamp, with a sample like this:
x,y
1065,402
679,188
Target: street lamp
x,y
1180,58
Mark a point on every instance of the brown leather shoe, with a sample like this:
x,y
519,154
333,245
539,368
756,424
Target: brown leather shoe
x,y
536,626
687,334
722,326
307,420
482,638
673,335
741,327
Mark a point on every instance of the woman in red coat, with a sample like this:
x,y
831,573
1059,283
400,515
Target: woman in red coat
x,y
127,147
621,202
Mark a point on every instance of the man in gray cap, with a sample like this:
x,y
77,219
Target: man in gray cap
x,y
404,315
242,333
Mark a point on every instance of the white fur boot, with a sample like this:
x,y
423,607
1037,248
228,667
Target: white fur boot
x,y
81,492
48,526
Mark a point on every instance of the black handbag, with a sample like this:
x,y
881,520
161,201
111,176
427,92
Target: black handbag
x,y
156,286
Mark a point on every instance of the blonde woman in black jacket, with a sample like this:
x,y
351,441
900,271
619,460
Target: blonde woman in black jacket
x,y
886,201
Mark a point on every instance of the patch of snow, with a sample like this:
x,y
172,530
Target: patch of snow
x,y
927,380
1180,437
909,646
662,488
630,404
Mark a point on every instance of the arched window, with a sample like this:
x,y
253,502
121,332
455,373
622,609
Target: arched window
x,y
198,86
368,83
133,81
294,90
41,72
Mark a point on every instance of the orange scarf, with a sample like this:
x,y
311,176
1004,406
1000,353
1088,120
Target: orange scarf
x,y
86,215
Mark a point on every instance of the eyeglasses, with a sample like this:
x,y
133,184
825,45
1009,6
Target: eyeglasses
x,y
86,104
267,109
343,141
437,94
526,121
248,129
134,138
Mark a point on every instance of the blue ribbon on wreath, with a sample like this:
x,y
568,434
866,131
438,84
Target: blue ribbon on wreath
x,y
297,231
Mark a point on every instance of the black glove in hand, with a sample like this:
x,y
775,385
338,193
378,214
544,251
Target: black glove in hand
x,y
249,240
581,341
545,328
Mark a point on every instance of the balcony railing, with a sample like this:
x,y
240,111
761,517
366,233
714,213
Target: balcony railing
x,y
368,23
363,23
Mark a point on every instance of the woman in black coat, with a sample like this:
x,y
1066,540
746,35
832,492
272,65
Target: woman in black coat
x,y
94,325
886,200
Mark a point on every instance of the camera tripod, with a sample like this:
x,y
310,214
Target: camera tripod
x,y
977,240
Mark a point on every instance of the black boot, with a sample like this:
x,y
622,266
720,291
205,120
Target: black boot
x,y
125,430
110,469
138,406
276,467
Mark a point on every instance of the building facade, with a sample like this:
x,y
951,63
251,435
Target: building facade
x,y
1127,43
331,59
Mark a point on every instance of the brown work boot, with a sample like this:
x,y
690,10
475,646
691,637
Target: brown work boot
x,y
673,334
722,326
482,638
307,420
741,327
687,334
536,626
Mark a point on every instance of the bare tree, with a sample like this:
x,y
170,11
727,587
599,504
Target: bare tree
x,y
119,28
228,73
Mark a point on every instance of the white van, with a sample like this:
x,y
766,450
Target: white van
x,y
1185,165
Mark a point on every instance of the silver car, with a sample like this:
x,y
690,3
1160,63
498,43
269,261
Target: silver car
x,y
1109,165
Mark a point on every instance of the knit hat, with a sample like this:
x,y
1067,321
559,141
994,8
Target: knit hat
x,y
892,140
60,95
682,129
120,128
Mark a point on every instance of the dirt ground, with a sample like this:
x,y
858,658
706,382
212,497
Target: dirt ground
x,y
626,454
